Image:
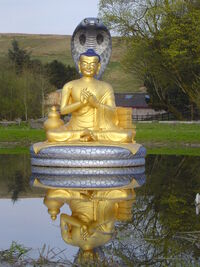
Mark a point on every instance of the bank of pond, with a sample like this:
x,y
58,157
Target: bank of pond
x,y
158,138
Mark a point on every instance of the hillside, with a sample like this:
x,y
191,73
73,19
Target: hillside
x,y
51,47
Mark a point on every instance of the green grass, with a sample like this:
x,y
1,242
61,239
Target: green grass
x,y
13,254
19,255
169,139
14,150
21,135
179,139
186,151
145,132
168,133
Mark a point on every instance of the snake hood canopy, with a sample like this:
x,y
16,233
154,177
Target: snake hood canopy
x,y
91,33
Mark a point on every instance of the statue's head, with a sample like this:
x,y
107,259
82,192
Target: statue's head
x,y
89,63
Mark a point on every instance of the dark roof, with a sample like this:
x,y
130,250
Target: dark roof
x,y
134,100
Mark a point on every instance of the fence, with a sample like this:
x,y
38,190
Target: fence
x,y
157,117
187,115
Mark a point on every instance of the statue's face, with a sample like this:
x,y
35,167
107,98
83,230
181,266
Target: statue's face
x,y
89,66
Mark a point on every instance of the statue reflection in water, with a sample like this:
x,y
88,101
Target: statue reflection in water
x,y
94,213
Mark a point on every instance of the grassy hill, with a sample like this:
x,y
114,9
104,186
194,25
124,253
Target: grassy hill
x,y
50,47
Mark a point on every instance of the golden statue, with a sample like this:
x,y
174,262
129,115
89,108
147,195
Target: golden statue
x,y
98,134
94,213
91,103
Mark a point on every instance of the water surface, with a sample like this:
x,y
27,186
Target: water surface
x,y
165,228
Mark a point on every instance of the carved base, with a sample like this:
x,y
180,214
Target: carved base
x,y
88,166
88,156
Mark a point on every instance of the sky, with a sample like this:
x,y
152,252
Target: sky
x,y
44,16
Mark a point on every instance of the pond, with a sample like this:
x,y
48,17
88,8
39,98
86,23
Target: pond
x,y
164,230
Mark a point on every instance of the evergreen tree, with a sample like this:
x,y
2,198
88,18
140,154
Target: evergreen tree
x,y
18,56
59,74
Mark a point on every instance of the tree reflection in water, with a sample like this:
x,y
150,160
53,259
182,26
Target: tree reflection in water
x,y
14,176
165,230
18,185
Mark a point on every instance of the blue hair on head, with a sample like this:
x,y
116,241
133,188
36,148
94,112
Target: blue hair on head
x,y
90,53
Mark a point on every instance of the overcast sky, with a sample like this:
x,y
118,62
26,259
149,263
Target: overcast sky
x,y
44,16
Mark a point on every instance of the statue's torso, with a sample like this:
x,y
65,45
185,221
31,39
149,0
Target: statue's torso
x,y
88,212
85,117
94,86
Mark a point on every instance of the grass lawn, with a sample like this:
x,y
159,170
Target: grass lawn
x,y
23,135
168,133
180,139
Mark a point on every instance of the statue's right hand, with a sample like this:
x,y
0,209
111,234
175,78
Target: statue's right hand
x,y
85,95
84,232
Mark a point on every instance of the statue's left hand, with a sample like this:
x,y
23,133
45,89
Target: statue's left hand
x,y
93,101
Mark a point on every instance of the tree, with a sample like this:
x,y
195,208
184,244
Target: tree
x,y
162,38
23,88
18,56
59,74
22,96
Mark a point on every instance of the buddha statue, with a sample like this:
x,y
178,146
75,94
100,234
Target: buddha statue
x,y
98,134
94,213
91,104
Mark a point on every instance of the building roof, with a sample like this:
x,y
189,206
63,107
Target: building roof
x,y
134,100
